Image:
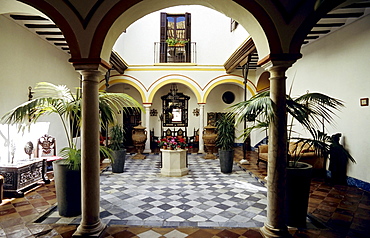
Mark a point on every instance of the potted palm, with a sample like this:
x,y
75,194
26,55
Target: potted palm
x,y
117,137
311,110
58,99
225,142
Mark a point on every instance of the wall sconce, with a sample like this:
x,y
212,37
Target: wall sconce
x,y
364,102
30,96
153,112
196,112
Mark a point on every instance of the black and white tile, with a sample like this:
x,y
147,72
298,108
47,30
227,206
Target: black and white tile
x,y
203,198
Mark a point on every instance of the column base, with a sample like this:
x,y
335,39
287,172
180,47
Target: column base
x,y
174,172
139,156
210,156
269,232
147,151
94,230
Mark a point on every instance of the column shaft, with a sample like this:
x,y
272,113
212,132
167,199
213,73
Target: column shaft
x,y
277,155
201,128
90,161
147,125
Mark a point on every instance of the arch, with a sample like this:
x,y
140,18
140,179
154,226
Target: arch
x,y
123,14
224,81
320,9
63,24
263,82
170,81
119,80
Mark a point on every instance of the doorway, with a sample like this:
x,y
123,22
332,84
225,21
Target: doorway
x,y
131,118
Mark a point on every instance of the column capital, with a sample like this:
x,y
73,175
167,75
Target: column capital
x,y
90,64
282,57
147,105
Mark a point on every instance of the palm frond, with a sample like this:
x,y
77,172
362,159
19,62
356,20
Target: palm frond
x,y
322,107
258,125
49,90
259,105
73,157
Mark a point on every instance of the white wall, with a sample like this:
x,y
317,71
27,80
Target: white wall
x,y
338,65
216,104
25,60
209,29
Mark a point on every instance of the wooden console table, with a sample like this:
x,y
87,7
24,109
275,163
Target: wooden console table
x,y
20,176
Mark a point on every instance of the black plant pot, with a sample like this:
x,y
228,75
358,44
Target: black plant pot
x,y
297,194
118,166
68,189
226,161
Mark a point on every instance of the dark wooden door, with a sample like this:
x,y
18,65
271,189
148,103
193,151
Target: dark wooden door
x,y
131,118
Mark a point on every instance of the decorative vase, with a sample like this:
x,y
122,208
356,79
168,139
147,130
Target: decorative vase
x,y
139,137
209,138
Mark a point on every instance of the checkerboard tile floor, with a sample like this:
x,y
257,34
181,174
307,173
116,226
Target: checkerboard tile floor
x,y
205,197
343,210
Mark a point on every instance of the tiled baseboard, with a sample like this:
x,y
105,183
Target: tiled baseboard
x,y
354,182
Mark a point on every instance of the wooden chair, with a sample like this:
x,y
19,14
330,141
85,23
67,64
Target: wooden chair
x,y
194,140
153,140
46,148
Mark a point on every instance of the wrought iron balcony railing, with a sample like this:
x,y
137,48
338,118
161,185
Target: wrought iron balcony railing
x,y
163,53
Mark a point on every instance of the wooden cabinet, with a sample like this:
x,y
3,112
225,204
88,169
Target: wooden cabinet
x,y
18,177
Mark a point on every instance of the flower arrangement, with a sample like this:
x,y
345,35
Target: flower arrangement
x,y
172,143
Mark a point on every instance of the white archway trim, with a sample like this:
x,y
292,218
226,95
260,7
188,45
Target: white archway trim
x,y
227,7
174,78
11,6
227,79
117,79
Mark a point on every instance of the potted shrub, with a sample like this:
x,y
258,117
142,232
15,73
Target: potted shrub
x,y
117,136
225,142
311,110
58,99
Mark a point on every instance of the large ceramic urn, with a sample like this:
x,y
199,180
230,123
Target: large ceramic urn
x,y
209,138
139,139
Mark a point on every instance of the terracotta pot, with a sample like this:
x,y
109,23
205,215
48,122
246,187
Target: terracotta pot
x,y
209,135
209,138
139,134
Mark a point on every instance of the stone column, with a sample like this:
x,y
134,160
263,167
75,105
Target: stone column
x,y
147,125
90,162
277,153
201,127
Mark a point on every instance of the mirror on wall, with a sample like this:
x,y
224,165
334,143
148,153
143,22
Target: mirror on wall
x,y
175,108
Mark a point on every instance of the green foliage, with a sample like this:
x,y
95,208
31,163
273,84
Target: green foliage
x,y
58,99
117,136
225,132
173,41
73,157
311,110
